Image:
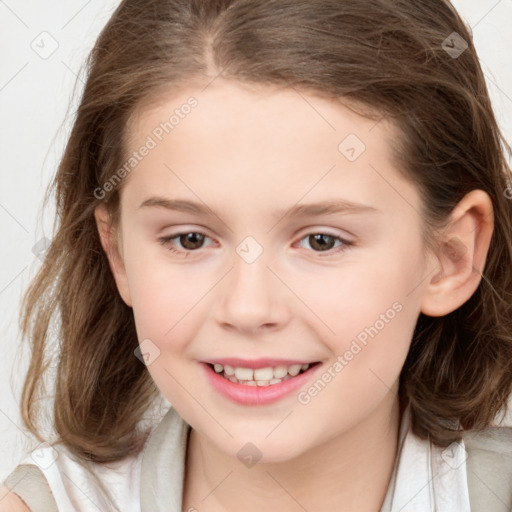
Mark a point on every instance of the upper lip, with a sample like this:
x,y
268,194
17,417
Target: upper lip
x,y
256,363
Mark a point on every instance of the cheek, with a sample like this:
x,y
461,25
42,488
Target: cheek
x,y
156,292
368,355
357,301
371,312
365,292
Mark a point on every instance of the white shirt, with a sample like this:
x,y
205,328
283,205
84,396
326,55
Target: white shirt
x,y
426,478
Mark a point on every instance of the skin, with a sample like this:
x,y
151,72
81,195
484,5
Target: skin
x,y
11,502
245,153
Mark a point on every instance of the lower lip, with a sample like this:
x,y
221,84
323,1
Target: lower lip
x,y
257,395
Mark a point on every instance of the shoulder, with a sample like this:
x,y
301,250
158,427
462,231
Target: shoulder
x,y
494,439
489,450
10,502
489,468
50,478
27,484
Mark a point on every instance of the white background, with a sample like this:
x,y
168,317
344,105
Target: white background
x,y
35,94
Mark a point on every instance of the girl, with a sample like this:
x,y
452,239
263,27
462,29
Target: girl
x,y
291,221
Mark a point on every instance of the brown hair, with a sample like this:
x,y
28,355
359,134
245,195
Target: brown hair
x,y
382,54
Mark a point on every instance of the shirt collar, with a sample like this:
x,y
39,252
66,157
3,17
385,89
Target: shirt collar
x,y
425,478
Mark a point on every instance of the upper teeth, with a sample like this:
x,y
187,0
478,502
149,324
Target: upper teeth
x,y
261,374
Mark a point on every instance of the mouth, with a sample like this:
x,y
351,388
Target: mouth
x,y
262,377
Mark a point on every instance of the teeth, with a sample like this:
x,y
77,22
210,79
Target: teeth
x,y
244,373
280,372
261,376
294,370
228,369
264,374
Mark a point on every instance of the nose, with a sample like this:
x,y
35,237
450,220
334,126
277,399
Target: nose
x,y
252,297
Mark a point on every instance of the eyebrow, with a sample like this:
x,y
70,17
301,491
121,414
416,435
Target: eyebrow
x,y
298,210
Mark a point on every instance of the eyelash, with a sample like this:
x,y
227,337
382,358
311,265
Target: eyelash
x,y
166,241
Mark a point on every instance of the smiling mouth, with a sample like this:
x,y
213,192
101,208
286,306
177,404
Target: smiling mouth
x,y
267,376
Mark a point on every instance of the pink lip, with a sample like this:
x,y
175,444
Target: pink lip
x,y
256,363
256,395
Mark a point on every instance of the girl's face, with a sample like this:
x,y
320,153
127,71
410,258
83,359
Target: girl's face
x,y
341,288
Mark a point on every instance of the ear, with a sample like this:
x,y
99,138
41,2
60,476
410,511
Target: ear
x,y
112,246
461,255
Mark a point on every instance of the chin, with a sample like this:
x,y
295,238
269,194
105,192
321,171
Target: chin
x,y
264,451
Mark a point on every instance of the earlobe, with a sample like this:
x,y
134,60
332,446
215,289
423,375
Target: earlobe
x,y
461,255
111,246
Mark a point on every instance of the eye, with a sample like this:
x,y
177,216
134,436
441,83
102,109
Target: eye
x,y
193,240
190,241
322,242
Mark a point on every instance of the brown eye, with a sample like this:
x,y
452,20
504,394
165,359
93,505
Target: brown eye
x,y
325,243
189,242
321,242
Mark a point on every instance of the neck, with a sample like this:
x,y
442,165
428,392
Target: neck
x,y
331,476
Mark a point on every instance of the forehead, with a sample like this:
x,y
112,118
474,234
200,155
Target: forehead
x,y
282,112
240,142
